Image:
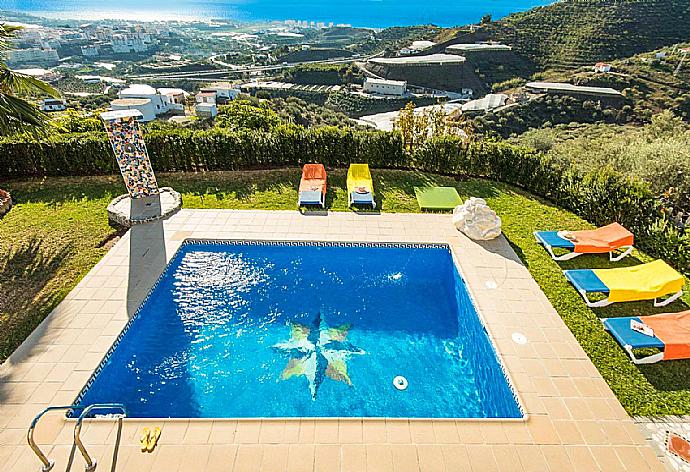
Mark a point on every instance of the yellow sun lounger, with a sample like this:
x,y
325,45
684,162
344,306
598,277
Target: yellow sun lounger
x,y
360,186
649,281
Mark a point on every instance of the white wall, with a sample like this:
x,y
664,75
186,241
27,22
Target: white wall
x,y
384,88
205,110
147,110
159,103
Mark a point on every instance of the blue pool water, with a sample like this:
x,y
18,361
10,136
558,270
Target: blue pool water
x,y
311,330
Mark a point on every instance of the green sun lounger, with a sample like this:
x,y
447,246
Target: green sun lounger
x,y
437,198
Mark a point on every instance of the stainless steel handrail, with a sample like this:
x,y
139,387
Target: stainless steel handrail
x,y
90,463
47,463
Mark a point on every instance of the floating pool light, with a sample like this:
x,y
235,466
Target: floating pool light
x,y
400,382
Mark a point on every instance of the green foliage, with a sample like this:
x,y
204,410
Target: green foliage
x,y
549,110
650,84
417,127
515,82
71,121
658,153
393,39
317,97
297,111
72,85
91,102
17,115
358,105
265,114
600,196
323,74
244,114
541,139
314,54
666,125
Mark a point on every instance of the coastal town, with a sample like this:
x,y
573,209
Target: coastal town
x,y
173,71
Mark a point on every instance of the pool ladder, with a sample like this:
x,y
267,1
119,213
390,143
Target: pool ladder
x,y
90,463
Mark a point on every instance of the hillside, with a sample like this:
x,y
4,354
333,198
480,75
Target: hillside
x,y
322,74
314,54
546,111
390,40
653,81
658,153
573,33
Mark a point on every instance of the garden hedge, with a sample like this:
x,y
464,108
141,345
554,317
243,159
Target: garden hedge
x,y
600,197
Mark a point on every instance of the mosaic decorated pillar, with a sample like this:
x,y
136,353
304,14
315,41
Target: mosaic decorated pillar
x,y
128,145
144,202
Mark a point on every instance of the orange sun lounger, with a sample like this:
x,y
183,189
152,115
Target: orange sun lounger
x,y
670,334
606,239
312,187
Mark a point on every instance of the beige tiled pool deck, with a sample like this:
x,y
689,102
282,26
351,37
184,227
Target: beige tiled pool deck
x,y
574,421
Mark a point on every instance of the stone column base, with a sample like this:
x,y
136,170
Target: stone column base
x,y
126,211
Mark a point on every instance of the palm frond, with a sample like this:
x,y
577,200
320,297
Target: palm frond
x,y
14,83
8,31
19,116
7,34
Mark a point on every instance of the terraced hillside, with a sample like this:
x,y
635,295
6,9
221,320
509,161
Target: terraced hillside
x,y
652,81
573,33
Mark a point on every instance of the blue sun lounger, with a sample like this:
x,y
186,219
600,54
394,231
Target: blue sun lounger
x,y
630,339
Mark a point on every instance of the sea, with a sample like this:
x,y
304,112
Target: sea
x,y
358,13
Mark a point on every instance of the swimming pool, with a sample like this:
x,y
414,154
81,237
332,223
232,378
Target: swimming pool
x,y
275,329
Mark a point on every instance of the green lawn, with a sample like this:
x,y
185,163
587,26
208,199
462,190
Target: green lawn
x,y
58,231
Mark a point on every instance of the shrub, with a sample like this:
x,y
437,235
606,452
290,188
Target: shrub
x,y
547,111
245,114
658,153
541,139
323,74
72,121
508,84
357,105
